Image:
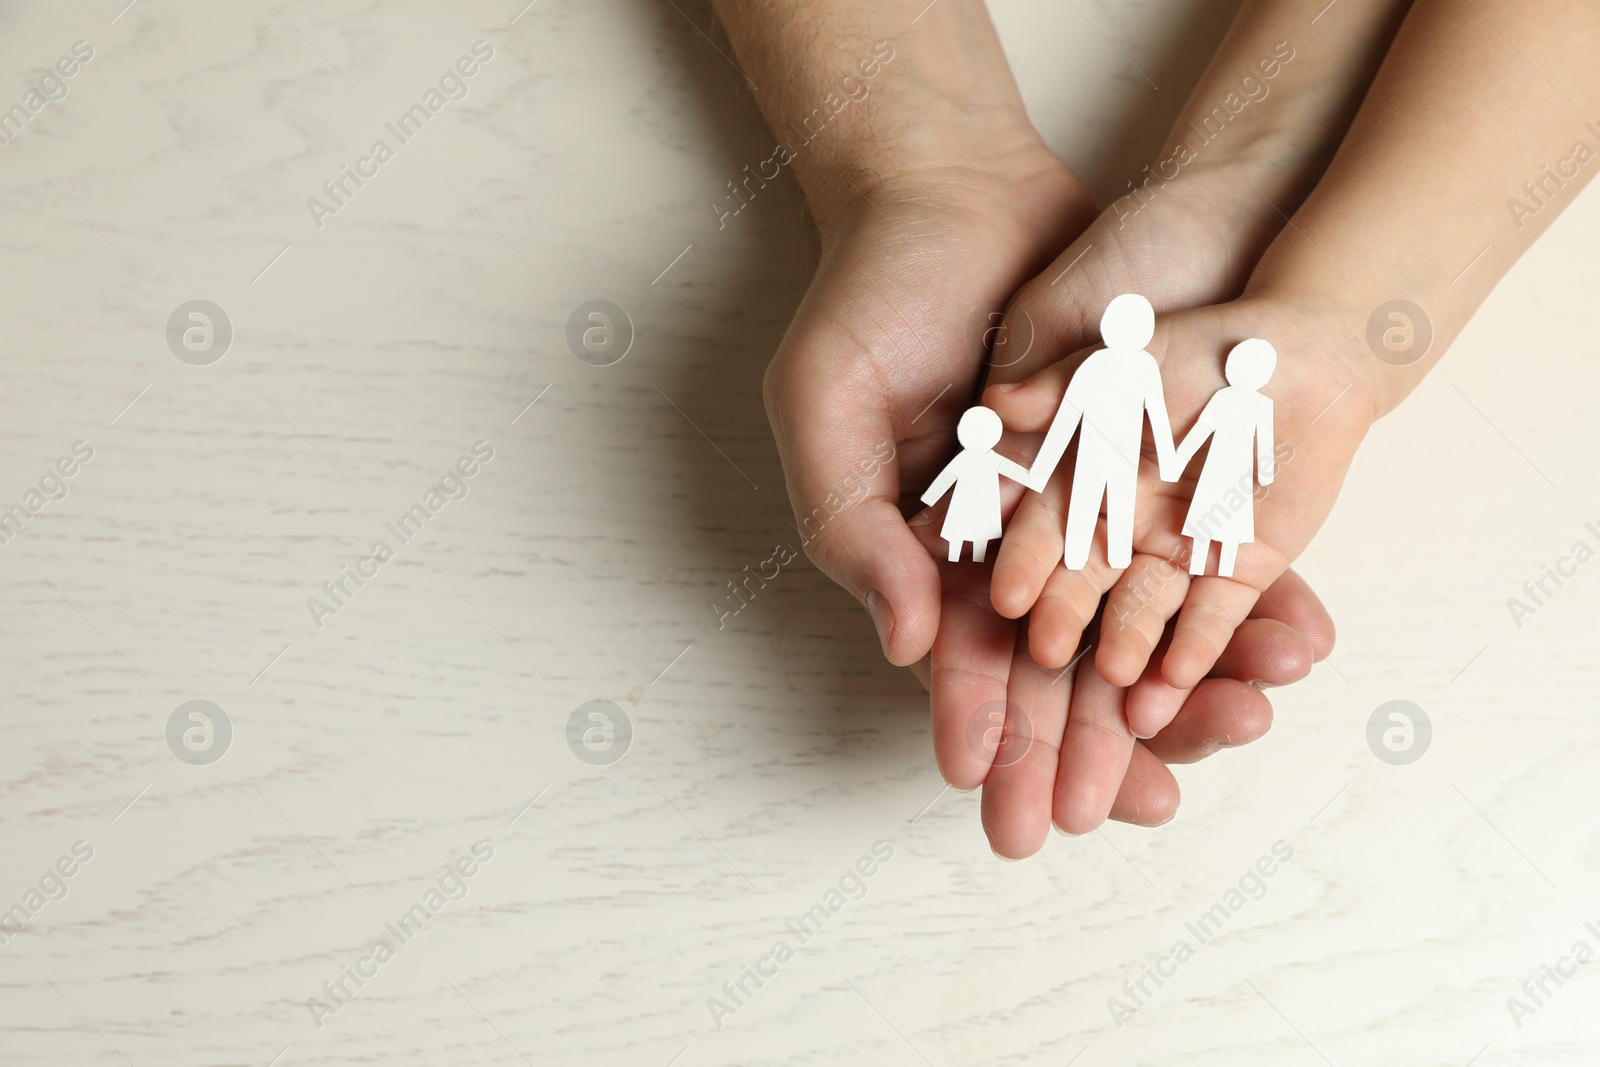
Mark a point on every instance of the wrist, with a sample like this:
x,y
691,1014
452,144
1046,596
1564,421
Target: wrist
x,y
1267,117
940,161
1392,325
887,96
1323,337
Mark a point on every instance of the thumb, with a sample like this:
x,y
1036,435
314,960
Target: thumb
x,y
843,472
868,549
1029,406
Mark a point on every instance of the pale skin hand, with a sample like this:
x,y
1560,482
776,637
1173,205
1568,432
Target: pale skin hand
x,y
1456,120
934,200
932,206
1192,242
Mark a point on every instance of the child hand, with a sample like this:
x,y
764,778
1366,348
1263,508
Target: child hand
x,y
1322,410
1195,245
1182,243
980,659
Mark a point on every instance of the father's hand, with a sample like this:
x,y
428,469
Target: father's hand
x,y
935,200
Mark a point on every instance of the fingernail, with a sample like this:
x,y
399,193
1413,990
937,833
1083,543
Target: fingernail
x,y
882,617
1007,859
921,518
1156,705
1063,833
1008,387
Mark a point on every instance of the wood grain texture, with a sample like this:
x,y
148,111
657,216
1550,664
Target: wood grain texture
x,y
431,709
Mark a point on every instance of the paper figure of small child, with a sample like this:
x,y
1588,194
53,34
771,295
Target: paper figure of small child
x,y
974,513
1238,420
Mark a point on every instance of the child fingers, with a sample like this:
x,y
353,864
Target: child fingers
x,y
1220,713
1149,793
1065,609
1149,593
1152,704
1017,794
1095,749
1261,652
969,666
1029,551
1212,611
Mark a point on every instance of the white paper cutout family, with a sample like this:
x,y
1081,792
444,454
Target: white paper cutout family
x,y
1106,404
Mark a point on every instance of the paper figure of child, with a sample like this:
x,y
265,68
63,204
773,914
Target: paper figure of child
x,y
974,513
1238,420
1110,395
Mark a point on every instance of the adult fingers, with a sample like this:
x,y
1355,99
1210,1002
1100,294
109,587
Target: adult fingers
x,y
1017,794
1095,753
1220,713
969,668
1265,652
1291,601
1149,794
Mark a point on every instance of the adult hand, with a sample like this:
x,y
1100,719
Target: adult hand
x,y
933,202
934,199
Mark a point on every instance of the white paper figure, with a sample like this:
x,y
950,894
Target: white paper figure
x,y
1110,395
974,513
1238,420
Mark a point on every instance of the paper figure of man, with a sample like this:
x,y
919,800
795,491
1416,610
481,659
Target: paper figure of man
x,y
1106,404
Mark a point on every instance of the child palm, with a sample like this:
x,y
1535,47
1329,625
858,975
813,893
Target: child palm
x,y
1191,248
1321,414
1237,421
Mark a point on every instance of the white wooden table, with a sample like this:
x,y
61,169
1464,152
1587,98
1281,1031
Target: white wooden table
x,y
426,710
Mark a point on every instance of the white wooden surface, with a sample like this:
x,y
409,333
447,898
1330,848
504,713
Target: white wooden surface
x,y
431,710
